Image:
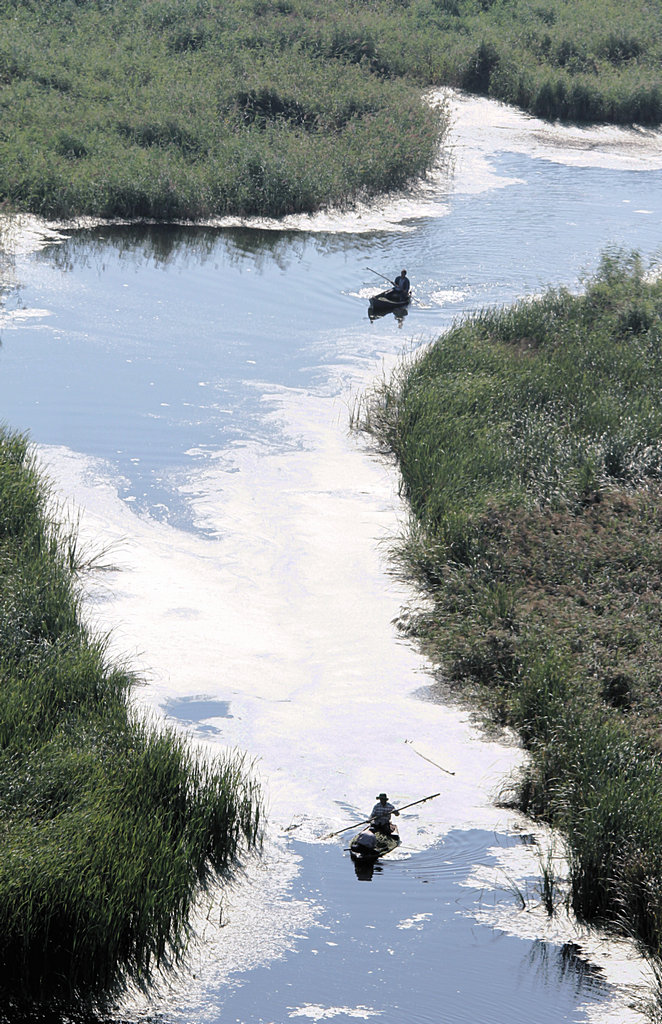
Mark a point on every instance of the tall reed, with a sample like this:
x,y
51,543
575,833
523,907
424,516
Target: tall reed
x,y
530,444
150,109
111,829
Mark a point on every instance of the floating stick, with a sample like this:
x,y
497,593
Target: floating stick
x,y
411,744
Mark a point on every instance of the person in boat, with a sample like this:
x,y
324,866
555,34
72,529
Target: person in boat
x,y
402,285
380,817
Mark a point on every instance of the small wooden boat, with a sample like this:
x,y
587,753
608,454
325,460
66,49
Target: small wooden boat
x,y
370,844
387,301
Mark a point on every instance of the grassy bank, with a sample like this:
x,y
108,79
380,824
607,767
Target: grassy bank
x,y
110,829
189,109
530,445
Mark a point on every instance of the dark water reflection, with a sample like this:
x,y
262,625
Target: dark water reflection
x,y
162,245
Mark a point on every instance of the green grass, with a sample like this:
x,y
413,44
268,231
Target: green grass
x,y
190,109
109,829
530,444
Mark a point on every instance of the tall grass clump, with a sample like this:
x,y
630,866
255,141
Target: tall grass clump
x,y
110,829
143,109
149,109
529,440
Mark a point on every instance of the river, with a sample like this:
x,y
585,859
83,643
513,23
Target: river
x,y
189,390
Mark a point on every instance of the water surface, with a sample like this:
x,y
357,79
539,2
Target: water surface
x,y
189,390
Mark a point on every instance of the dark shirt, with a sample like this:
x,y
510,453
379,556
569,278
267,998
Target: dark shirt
x,y
402,284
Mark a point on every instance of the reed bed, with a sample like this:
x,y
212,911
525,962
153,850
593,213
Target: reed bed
x,y
529,440
164,110
110,829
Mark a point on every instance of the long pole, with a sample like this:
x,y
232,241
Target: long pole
x,y
381,275
368,820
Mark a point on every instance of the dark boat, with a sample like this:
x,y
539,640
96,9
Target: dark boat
x,y
370,844
385,302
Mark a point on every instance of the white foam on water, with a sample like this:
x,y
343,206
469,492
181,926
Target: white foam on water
x,y
317,1013
14,318
417,922
518,870
287,615
442,296
24,233
482,128
232,939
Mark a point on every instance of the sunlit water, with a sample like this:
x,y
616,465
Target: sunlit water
x,y
189,390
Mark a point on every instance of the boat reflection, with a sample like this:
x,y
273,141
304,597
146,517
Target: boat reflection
x,y
400,312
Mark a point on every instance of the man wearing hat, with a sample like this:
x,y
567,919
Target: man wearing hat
x,y
380,816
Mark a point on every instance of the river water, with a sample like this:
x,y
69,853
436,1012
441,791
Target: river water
x,y
189,390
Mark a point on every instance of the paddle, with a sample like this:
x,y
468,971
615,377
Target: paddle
x,y
368,820
381,275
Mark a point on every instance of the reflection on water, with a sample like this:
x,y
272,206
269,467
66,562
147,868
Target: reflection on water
x,y
365,869
398,314
161,245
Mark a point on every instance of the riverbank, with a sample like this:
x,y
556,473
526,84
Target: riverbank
x,y
111,828
185,111
529,443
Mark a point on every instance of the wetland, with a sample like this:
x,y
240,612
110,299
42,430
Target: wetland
x,y
189,392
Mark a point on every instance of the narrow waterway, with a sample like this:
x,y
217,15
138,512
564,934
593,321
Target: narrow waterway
x,y
189,390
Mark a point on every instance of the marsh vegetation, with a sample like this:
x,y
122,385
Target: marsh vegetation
x,y
173,110
530,444
111,829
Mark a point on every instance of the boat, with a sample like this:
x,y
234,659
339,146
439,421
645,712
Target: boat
x,y
388,301
370,844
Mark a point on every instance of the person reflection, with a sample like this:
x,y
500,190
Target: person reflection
x,y
365,869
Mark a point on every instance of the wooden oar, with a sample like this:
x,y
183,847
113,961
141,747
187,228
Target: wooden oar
x,y
367,821
381,275
428,759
